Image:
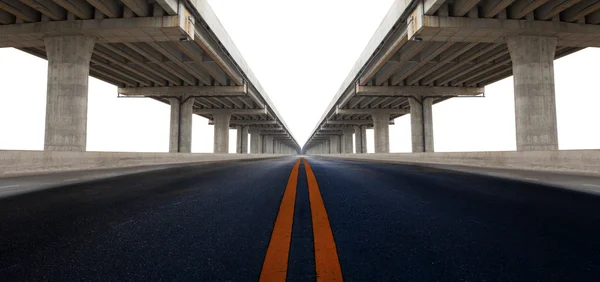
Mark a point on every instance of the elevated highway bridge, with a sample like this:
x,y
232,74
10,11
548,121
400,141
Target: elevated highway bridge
x,y
334,213
425,52
176,52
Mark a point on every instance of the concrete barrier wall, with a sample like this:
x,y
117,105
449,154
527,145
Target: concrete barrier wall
x,y
570,161
15,163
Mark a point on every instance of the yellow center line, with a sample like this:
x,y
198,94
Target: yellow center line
x,y
326,256
276,259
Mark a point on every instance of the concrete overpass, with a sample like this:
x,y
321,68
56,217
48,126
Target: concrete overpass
x,y
173,51
425,52
530,215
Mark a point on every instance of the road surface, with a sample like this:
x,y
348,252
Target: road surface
x,y
353,220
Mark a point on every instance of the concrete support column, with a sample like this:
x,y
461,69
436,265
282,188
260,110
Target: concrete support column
x,y
238,139
242,139
421,124
360,139
334,144
269,144
67,92
255,144
221,145
347,140
535,104
276,147
180,133
381,126
326,147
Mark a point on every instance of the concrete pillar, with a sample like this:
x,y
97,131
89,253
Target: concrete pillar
x,y
364,138
245,139
67,92
261,148
535,104
255,145
242,139
221,145
421,124
381,126
238,139
347,140
334,144
180,133
360,139
326,147
268,144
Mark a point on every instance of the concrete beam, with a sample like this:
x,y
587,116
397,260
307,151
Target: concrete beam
x,y
108,8
81,9
20,10
6,17
188,91
47,8
428,28
431,6
231,111
392,48
146,29
139,7
203,39
156,59
353,122
169,51
170,6
267,132
370,111
418,91
330,129
248,122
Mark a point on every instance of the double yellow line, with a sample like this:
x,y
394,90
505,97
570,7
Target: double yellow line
x,y
326,257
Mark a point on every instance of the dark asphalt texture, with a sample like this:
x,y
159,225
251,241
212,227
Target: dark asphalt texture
x,y
391,222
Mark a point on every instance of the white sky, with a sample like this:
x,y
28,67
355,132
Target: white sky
x,y
301,51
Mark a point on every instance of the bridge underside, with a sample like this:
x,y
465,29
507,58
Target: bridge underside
x,y
157,49
427,52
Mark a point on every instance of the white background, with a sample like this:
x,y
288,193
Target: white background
x,y
301,51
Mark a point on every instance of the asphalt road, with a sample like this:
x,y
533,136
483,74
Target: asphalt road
x,y
390,222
